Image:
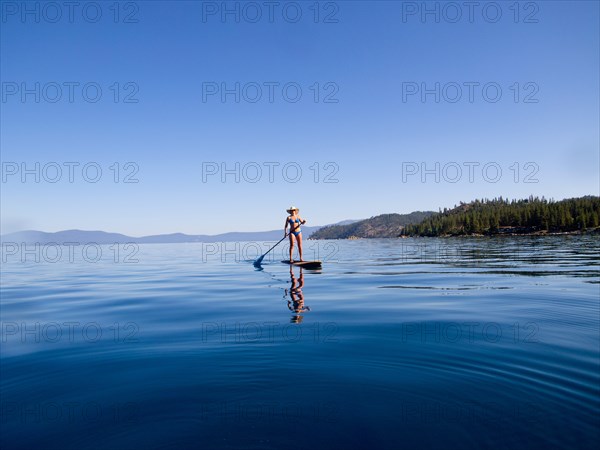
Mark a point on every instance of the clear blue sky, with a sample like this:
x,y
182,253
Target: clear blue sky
x,y
368,134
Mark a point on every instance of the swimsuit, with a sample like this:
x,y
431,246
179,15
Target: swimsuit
x,y
291,222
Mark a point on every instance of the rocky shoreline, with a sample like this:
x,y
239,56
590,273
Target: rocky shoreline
x,y
504,233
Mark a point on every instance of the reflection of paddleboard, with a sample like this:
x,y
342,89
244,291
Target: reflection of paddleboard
x,y
305,264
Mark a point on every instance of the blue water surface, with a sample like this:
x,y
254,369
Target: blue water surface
x,y
426,343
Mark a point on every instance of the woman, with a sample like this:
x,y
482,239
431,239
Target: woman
x,y
294,221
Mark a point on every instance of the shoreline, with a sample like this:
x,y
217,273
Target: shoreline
x,y
476,235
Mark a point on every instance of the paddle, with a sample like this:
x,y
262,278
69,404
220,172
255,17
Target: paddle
x,y
259,260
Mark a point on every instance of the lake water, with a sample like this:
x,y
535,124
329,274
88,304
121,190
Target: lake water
x,y
427,343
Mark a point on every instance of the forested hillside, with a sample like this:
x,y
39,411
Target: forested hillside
x,y
499,216
383,226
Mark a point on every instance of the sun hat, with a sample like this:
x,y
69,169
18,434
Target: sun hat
x,y
292,208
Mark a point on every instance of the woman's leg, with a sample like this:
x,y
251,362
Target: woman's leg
x,y
291,245
299,239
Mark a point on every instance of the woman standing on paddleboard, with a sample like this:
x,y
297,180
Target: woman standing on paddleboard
x,y
294,221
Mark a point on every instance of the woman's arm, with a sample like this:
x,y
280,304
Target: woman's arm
x,y
285,228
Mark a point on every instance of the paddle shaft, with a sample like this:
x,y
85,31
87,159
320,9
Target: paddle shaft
x,y
259,260
275,245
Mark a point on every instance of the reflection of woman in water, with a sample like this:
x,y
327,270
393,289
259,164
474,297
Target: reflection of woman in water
x,y
296,300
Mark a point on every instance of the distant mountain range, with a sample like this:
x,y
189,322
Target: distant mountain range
x,y
103,237
496,216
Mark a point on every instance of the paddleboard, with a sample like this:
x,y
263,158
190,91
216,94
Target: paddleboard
x,y
305,264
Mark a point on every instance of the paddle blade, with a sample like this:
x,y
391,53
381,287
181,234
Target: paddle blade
x,y
258,262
